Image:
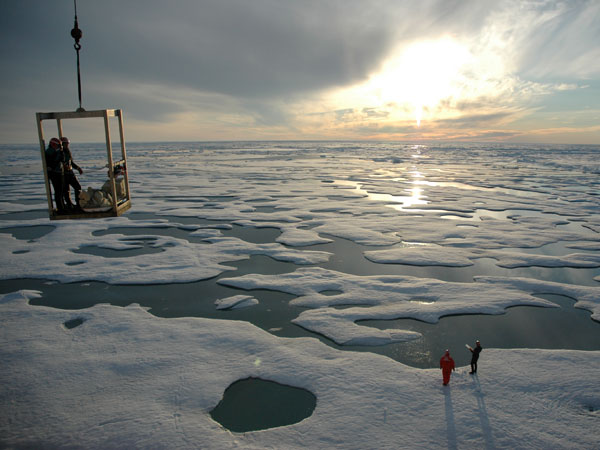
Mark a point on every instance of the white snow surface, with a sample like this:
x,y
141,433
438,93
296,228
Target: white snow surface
x,y
127,379
179,260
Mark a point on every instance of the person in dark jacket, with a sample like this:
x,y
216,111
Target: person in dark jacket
x,y
69,176
475,356
54,166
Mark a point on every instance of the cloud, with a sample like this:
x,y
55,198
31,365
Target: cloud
x,y
476,120
294,68
566,45
245,49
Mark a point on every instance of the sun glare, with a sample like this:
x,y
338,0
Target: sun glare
x,y
413,81
422,74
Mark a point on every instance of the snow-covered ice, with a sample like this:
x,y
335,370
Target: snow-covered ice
x,y
352,232
127,379
391,297
236,301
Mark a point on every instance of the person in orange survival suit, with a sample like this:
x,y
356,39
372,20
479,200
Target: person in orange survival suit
x,y
447,366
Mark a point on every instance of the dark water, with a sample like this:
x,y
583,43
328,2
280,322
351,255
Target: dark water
x,y
253,404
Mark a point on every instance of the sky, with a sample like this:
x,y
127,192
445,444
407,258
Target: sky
x,y
195,70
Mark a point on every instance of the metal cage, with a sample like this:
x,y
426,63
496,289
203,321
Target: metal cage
x,y
119,204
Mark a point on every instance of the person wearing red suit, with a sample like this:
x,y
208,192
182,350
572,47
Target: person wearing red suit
x,y
447,366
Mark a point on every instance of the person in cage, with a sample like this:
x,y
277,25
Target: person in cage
x,y
69,177
54,165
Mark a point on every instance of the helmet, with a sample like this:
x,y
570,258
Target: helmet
x,y
55,142
64,140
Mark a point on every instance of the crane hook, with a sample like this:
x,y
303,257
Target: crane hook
x,y
77,34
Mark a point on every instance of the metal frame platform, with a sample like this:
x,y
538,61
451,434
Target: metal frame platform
x,y
118,206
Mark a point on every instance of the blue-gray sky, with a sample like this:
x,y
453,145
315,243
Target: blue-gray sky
x,y
520,71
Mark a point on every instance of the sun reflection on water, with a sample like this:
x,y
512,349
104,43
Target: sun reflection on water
x,y
398,202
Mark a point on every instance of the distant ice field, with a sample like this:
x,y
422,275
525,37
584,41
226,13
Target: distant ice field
x,y
402,250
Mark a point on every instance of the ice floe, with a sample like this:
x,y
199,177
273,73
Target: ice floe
x,y
437,255
383,297
109,376
179,260
235,302
124,378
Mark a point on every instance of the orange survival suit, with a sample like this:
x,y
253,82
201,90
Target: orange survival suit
x,y
447,366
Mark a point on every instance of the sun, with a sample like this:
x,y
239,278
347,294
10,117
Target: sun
x,y
422,74
414,80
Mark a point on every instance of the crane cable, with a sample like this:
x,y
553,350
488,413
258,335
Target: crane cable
x,y
77,34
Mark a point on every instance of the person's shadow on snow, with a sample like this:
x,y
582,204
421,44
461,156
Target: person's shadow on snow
x,y
486,429
450,427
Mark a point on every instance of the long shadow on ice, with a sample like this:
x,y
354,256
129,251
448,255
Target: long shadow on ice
x,y
450,425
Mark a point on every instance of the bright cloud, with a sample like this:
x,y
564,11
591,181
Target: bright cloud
x,y
417,76
427,88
